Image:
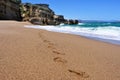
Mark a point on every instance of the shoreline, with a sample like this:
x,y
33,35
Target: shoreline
x,y
29,54
41,27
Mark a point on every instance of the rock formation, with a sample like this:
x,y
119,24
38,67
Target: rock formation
x,y
72,22
40,14
35,13
9,9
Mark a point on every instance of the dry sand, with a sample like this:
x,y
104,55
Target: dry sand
x,y
31,54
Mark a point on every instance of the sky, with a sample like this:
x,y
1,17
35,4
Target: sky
x,y
84,9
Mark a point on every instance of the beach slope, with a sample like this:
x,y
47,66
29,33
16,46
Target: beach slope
x,y
33,54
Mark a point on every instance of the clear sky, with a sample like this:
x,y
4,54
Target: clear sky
x,y
84,9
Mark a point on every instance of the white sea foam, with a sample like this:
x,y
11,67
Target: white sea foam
x,y
80,23
110,33
62,24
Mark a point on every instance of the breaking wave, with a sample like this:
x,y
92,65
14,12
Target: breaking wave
x,y
104,33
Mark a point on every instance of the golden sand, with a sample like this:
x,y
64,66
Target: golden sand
x,y
31,54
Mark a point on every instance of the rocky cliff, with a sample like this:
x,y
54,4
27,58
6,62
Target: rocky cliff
x,y
40,14
9,9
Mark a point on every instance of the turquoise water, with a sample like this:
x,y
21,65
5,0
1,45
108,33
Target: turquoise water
x,y
101,24
103,31
96,24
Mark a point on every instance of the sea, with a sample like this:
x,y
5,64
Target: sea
x,y
108,32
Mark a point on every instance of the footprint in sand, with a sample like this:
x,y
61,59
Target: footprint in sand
x,y
40,35
51,47
52,44
46,41
49,43
79,73
59,59
56,52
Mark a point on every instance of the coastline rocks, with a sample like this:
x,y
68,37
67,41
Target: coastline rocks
x,y
39,14
71,22
44,21
36,21
9,10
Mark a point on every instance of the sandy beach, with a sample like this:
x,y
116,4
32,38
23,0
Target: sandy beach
x,y
33,54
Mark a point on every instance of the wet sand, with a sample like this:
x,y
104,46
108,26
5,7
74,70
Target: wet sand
x,y
31,54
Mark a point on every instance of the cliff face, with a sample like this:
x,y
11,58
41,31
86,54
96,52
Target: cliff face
x,y
35,13
39,14
9,9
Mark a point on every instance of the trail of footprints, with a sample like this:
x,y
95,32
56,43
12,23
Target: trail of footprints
x,y
62,60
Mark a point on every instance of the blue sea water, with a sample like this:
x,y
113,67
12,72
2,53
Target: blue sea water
x,y
103,31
